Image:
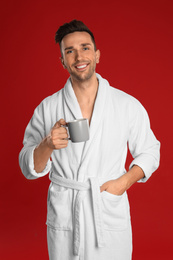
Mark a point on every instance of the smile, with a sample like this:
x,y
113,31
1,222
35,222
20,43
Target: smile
x,y
81,66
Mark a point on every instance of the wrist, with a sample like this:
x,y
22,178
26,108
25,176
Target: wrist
x,y
42,153
123,183
46,144
128,180
132,176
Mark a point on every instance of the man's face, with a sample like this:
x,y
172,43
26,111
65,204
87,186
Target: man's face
x,y
79,56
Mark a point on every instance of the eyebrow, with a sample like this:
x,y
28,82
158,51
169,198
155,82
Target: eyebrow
x,y
71,47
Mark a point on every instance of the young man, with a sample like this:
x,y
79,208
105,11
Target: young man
x,y
88,209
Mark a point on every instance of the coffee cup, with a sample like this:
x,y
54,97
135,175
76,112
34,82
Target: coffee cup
x,y
78,130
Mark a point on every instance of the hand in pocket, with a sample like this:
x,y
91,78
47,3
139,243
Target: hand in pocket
x,y
116,187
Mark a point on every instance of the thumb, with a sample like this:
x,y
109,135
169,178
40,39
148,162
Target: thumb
x,y
59,123
62,122
104,186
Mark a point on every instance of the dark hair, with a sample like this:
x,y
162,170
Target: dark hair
x,y
73,26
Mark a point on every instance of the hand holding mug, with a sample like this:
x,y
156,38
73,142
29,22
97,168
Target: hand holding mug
x,y
58,137
78,131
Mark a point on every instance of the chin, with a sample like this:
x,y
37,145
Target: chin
x,y
83,77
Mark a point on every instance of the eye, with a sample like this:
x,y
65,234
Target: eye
x,y
85,48
69,51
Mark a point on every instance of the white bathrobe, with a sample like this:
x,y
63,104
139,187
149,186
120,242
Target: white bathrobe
x,y
83,223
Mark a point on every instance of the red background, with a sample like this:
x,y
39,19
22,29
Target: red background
x,y
136,41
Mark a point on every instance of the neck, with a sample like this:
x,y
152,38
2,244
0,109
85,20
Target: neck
x,y
86,91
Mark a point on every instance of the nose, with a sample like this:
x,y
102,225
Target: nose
x,y
78,55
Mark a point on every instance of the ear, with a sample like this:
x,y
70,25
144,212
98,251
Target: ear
x,y
62,62
97,56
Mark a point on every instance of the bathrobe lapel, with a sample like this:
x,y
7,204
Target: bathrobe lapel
x,y
97,115
72,111
71,105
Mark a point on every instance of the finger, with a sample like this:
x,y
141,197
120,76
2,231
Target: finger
x,y
63,136
57,124
60,138
62,130
62,147
62,122
60,142
58,131
103,187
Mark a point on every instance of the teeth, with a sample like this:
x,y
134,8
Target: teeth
x,y
81,67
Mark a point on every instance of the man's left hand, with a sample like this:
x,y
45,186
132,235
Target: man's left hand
x,y
116,187
120,185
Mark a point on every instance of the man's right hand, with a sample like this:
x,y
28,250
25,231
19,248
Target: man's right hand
x,y
58,137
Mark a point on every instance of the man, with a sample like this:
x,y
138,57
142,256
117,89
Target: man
x,y
88,209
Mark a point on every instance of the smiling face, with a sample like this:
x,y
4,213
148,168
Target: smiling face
x,y
79,56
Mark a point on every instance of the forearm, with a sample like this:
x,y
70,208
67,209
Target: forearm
x,y
123,183
42,153
132,176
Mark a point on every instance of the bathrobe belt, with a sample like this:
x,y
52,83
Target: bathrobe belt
x,y
92,184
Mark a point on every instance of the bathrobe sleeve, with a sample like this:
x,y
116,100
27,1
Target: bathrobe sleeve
x,y
34,134
143,145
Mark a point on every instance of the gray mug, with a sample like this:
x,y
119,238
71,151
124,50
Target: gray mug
x,y
78,130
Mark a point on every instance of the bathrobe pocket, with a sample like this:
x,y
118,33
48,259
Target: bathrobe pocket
x,y
115,213
59,208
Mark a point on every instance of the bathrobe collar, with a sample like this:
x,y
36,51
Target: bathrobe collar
x,y
99,107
